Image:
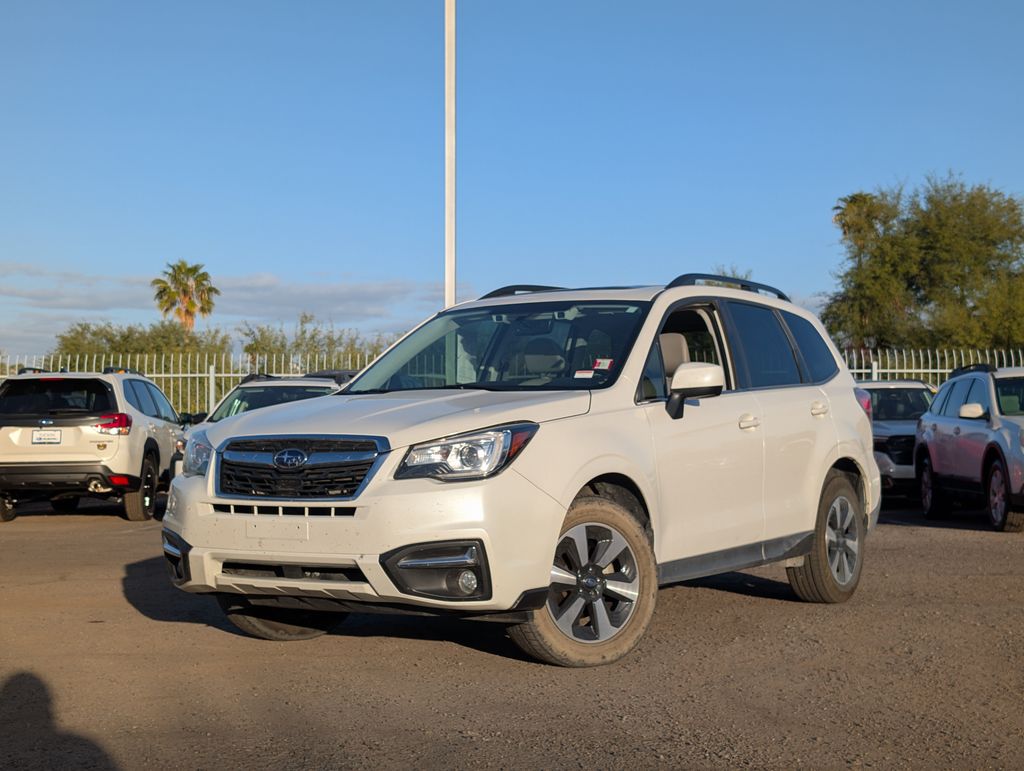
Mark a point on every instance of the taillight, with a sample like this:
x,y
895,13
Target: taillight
x,y
864,400
118,423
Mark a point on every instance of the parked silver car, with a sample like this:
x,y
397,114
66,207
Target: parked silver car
x,y
896,406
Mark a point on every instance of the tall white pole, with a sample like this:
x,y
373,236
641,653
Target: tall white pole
x,y
449,153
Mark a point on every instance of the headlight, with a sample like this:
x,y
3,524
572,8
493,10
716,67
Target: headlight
x,y
198,452
467,456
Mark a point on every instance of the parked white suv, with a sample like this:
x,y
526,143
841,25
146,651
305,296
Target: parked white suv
x,y
896,406
970,445
66,435
260,390
542,457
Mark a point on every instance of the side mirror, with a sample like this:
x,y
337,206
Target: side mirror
x,y
693,380
191,418
972,411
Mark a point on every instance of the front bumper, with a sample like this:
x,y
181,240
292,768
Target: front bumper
x,y
34,480
339,553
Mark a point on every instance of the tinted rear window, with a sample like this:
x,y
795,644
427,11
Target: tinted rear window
x,y
817,355
767,354
52,396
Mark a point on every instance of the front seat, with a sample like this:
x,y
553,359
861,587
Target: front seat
x,y
674,352
543,359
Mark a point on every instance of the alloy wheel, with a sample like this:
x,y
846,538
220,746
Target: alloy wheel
x,y
594,583
996,496
843,540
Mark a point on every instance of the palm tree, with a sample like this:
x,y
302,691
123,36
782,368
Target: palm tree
x,y
184,290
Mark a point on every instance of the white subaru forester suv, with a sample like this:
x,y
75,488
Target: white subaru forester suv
x,y
545,458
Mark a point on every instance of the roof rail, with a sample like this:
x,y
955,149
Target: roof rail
x,y
257,376
31,370
339,376
514,289
122,371
980,367
691,279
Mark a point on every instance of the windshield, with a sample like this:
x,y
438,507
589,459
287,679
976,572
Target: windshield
x,y
253,397
1010,393
899,403
535,346
51,396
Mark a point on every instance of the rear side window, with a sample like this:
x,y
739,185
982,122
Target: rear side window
x,y
951,408
55,396
767,357
163,407
139,397
816,352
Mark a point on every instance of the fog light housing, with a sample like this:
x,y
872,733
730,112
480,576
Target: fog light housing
x,y
448,570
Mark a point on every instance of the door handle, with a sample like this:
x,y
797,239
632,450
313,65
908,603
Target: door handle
x,y
818,409
956,431
935,426
748,421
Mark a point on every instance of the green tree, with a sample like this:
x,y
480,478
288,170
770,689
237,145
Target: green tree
x,y
159,338
186,291
940,266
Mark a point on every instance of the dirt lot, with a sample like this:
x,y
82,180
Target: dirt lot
x,y
103,664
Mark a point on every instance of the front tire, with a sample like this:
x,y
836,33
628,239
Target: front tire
x,y
1000,515
604,581
277,624
140,504
831,571
7,512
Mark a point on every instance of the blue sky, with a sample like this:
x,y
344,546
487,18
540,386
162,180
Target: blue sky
x,y
296,148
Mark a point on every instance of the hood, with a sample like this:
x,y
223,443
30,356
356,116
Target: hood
x,y
402,417
894,427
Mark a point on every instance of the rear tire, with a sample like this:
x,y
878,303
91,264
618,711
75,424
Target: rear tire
x,y
140,504
7,512
277,624
831,571
64,505
934,503
602,593
997,487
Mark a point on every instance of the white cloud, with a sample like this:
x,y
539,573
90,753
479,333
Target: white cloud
x,y
37,303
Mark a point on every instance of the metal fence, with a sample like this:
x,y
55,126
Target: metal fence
x,y
193,382
932,366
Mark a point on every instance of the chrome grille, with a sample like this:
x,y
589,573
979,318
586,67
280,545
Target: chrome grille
x,y
335,467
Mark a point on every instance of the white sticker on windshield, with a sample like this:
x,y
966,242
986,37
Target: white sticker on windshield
x,y
584,373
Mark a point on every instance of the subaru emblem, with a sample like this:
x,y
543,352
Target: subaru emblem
x,y
291,458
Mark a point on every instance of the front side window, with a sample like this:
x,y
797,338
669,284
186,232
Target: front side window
x,y
244,399
1010,395
767,357
957,398
521,347
979,395
56,396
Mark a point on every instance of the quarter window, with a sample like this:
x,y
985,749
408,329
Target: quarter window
x,y
767,357
652,381
816,352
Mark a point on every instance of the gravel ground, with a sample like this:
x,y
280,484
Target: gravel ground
x,y
104,664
